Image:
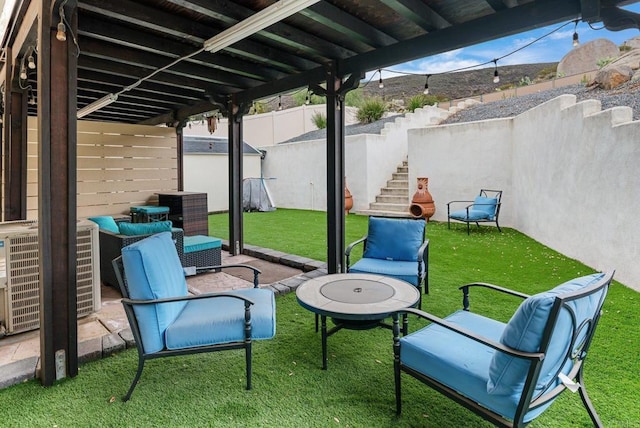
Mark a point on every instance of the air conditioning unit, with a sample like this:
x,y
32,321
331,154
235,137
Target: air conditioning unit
x,y
20,270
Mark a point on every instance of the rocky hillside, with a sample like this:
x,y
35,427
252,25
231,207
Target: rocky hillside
x,y
450,86
460,85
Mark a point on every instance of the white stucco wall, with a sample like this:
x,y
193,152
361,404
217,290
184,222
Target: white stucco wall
x,y
209,173
569,173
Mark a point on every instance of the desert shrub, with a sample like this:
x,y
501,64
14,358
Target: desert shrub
x,y
319,120
603,62
525,81
547,73
421,100
300,98
354,98
625,48
371,109
258,107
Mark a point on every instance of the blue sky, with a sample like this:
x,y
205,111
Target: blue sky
x,y
548,49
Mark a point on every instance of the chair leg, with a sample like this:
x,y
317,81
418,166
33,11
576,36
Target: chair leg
x,y
247,353
135,379
587,402
468,228
498,226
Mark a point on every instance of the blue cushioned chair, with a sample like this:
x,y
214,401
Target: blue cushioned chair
x,y
507,373
484,208
394,247
167,321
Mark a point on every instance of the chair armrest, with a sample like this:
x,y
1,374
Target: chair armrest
x,y
462,331
465,292
347,251
256,271
457,202
134,302
423,255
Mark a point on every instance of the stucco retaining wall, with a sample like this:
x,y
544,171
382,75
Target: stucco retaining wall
x,y
569,172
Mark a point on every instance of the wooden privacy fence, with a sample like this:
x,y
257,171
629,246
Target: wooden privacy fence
x,y
119,166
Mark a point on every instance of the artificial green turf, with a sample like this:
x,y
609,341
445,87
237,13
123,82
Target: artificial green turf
x,y
290,389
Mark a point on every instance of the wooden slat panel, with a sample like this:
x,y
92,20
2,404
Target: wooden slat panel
x,y
118,166
113,163
130,152
133,174
126,186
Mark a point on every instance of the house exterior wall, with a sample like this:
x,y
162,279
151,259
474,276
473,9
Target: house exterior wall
x,y
209,173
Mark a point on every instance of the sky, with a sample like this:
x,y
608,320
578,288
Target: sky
x,y
549,49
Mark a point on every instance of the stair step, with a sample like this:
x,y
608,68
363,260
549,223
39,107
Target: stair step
x,y
381,206
392,199
380,213
398,183
394,191
403,169
400,176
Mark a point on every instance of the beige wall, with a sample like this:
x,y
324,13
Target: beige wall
x,y
119,166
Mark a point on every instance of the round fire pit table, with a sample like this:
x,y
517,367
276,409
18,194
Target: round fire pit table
x,y
355,301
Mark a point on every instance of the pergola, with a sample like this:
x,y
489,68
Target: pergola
x,y
162,61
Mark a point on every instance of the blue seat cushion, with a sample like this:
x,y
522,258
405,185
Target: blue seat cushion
x,y
200,243
221,320
524,332
106,222
394,239
149,209
459,362
406,271
474,215
134,229
488,205
154,271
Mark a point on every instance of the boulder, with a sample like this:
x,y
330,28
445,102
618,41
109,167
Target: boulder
x,y
618,71
585,57
634,42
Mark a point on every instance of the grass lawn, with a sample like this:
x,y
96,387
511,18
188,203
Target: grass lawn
x,y
290,389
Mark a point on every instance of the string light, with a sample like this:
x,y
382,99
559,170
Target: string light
x,y
23,72
380,82
426,86
279,102
31,64
576,42
496,76
61,35
307,100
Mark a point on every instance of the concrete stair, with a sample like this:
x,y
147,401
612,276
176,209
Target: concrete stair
x,y
393,200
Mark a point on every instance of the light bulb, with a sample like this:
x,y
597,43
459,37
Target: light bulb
x,y
576,42
23,73
31,63
279,102
62,32
380,82
307,100
32,100
496,78
426,86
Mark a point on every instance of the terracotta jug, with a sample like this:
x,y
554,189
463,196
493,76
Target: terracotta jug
x,y
348,198
422,204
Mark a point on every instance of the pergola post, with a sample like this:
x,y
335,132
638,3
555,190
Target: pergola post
x,y
236,235
57,188
180,154
335,172
14,147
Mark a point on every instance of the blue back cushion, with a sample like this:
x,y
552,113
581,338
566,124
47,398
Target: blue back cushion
x,y
133,229
106,222
153,271
394,239
524,332
487,205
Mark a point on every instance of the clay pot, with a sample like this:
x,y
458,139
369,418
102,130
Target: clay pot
x,y
348,198
422,202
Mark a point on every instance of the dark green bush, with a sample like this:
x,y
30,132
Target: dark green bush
x,y
371,109
320,120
